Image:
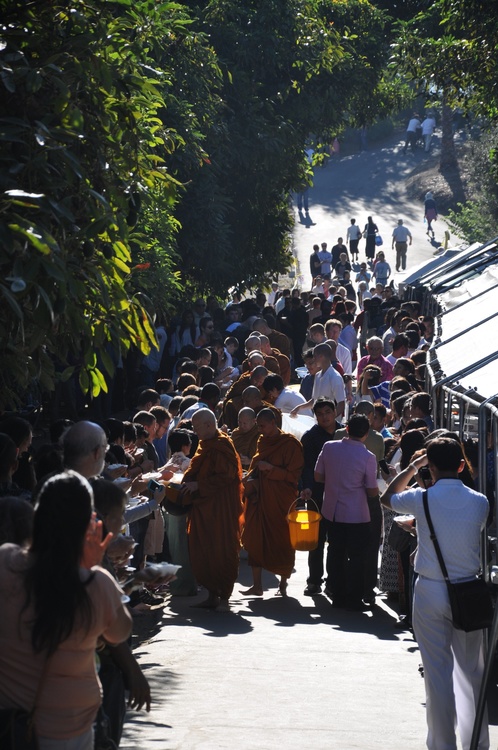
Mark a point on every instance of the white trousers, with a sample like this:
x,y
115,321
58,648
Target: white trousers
x,y
453,667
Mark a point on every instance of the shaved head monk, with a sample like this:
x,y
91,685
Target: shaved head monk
x,y
245,437
283,361
270,489
251,397
278,340
213,484
233,399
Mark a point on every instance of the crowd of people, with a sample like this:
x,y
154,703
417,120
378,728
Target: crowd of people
x,y
207,459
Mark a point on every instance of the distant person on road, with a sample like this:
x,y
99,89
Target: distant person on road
x,y
412,133
401,235
369,233
315,263
337,250
341,267
353,236
326,261
430,211
382,270
302,195
363,274
428,127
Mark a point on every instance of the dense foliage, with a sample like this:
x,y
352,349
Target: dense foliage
x,y
148,149
83,148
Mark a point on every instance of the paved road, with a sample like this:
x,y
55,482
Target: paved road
x,y
371,183
280,673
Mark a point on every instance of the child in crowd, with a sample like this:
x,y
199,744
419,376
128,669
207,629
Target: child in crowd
x,y
164,386
180,444
231,346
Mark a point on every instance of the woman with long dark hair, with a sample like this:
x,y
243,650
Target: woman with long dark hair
x,y
53,613
369,234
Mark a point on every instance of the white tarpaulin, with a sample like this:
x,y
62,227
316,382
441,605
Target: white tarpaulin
x,y
468,336
470,288
297,426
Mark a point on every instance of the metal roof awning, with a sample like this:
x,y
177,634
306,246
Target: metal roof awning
x,y
467,351
472,288
465,269
419,273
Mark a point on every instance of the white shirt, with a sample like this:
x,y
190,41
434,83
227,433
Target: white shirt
x,y
271,297
343,354
428,126
280,304
458,514
413,125
349,338
325,260
353,232
288,399
401,233
387,340
329,385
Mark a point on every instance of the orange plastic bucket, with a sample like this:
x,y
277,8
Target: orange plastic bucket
x,y
304,528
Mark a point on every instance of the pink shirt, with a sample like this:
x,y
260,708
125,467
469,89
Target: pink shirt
x,y
349,468
382,362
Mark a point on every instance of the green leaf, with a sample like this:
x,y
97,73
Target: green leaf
x,y
12,302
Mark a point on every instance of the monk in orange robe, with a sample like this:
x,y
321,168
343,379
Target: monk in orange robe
x,y
213,484
245,437
233,399
283,361
270,489
252,399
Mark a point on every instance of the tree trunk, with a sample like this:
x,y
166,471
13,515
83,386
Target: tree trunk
x,y
448,151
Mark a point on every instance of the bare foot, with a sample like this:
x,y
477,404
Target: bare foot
x,y
210,603
253,591
223,606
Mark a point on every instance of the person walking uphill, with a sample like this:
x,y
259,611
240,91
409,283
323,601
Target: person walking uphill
x,y
369,234
453,659
430,211
270,489
401,235
213,484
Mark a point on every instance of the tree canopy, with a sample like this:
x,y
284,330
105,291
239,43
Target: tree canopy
x,y
147,150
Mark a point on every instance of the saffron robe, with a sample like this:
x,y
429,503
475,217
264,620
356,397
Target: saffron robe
x,y
233,401
215,519
266,532
245,442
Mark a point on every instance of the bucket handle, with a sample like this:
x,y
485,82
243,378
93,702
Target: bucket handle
x,y
294,502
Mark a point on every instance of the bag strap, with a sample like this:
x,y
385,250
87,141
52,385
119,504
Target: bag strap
x,y
434,537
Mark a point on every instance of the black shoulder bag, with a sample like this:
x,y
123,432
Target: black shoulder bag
x,y
471,606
